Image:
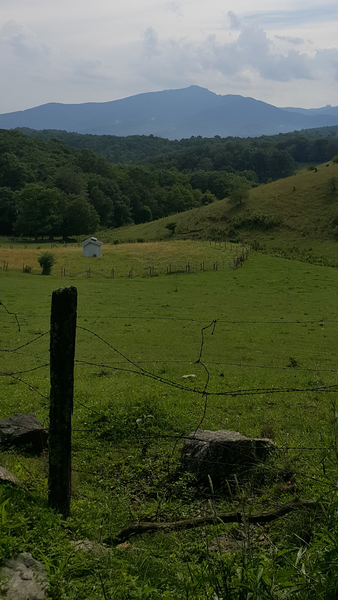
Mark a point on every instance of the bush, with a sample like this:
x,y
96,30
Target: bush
x,y
46,261
171,227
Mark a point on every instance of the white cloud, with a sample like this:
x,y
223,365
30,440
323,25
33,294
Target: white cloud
x,y
235,22
82,51
150,42
290,40
22,42
175,7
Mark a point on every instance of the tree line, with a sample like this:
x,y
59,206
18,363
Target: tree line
x,y
50,189
270,157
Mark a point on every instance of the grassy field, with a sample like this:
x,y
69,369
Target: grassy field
x,y
140,258
275,331
294,217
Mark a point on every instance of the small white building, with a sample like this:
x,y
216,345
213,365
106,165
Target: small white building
x,y
91,247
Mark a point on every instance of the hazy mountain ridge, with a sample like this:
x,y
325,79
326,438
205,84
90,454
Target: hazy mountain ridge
x,y
173,114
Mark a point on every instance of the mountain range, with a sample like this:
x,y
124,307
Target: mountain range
x,y
173,114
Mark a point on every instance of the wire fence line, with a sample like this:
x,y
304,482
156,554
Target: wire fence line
x,y
188,319
143,437
237,256
138,369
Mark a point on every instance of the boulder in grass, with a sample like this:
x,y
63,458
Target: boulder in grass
x,y
7,477
24,432
23,578
221,454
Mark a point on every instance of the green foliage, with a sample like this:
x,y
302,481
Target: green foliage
x,y
46,261
239,193
171,226
79,217
255,220
8,210
256,158
38,210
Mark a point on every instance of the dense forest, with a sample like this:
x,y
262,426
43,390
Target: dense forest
x,y
54,183
50,189
270,157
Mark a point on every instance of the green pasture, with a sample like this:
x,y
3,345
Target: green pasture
x,y
295,217
123,260
261,341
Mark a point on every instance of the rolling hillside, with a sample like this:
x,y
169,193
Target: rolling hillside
x,y
295,217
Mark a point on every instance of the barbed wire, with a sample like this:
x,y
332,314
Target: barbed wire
x,y
225,364
32,388
26,344
146,436
190,319
11,313
238,392
138,369
12,373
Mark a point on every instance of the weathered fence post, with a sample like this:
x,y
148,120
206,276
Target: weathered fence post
x,y
62,351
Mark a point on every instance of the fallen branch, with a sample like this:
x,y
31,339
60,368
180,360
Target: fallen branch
x,y
265,517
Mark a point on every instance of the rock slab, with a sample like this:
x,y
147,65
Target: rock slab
x,y
24,432
23,578
220,454
7,477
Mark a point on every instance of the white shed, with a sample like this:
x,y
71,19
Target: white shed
x,y
91,247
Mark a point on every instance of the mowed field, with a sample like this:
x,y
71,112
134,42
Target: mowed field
x,y
260,340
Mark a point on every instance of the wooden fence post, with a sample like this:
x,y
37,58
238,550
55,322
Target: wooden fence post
x,y
62,351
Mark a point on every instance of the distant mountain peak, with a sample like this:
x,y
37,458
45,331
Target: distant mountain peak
x,y
173,114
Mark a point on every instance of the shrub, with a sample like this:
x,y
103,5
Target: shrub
x,y
46,261
171,227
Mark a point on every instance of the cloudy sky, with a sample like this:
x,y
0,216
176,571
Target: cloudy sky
x,y
284,52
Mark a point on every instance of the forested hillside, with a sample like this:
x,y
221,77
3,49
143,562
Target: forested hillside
x,y
50,189
53,183
270,157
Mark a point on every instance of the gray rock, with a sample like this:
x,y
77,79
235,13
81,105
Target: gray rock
x,y
89,546
23,578
23,431
221,454
7,477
